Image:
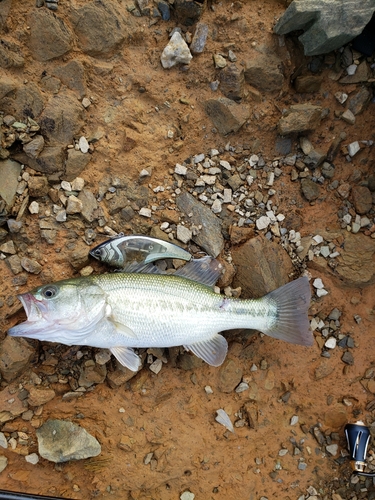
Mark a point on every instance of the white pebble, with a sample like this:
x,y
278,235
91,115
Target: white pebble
x,y
198,158
318,239
33,458
263,222
243,386
321,292
86,102
121,410
294,420
225,164
208,179
183,233
145,212
144,173
180,169
78,184
208,389
351,69
318,283
164,226
227,195
83,144
187,495
331,343
66,186
3,440
216,207
223,419
353,148
156,366
34,207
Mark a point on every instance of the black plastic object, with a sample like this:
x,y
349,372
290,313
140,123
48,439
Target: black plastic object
x,y
13,495
365,42
358,437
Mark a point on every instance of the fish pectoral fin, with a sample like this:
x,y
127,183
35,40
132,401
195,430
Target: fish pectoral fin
x,y
212,351
123,329
127,357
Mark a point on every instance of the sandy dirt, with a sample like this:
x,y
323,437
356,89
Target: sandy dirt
x,y
170,414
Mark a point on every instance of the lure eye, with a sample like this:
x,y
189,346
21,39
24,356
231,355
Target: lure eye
x,y
97,252
49,292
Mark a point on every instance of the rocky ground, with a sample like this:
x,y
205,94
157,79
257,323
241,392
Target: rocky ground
x,y
249,151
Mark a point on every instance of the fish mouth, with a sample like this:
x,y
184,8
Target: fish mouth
x,y
35,321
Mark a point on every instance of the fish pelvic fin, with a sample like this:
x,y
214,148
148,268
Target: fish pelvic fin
x,y
292,303
127,357
212,351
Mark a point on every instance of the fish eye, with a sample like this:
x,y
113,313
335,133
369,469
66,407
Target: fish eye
x,y
49,292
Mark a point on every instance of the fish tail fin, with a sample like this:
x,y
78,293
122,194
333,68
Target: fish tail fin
x,y
292,303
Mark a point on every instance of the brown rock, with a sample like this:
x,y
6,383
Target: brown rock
x,y
226,115
356,262
361,75
359,101
300,118
307,83
263,72
75,164
38,397
232,82
91,375
119,377
335,418
38,186
10,405
230,375
49,36
262,266
362,199
324,370
15,355
239,235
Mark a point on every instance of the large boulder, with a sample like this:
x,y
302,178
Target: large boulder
x,y
49,36
328,24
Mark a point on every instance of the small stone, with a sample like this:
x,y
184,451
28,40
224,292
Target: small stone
x,y
331,343
302,466
294,420
66,186
353,148
243,386
86,102
225,164
263,222
33,458
180,169
187,495
145,212
318,283
362,199
348,358
216,206
78,184
219,61
8,248
310,189
199,39
74,205
283,452
34,207
3,441
321,292
332,449
31,265
175,52
183,234
348,117
156,366
83,144
208,389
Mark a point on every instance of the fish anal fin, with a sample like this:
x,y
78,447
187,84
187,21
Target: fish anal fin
x,y
205,271
127,357
213,351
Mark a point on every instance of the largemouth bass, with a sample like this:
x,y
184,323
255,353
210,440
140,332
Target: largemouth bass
x,y
122,311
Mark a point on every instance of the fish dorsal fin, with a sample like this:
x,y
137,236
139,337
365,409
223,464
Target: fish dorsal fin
x,y
212,351
205,271
127,357
140,267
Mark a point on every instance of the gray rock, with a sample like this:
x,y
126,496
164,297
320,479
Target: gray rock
x,y
328,24
361,75
15,356
232,82
262,266
314,159
61,119
263,72
4,12
199,38
209,237
91,375
34,147
10,55
188,12
74,205
60,441
49,36
226,115
72,75
359,101
89,205
299,118
9,173
26,101
76,162
31,265
310,189
175,52
14,263
50,160
99,27
230,375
